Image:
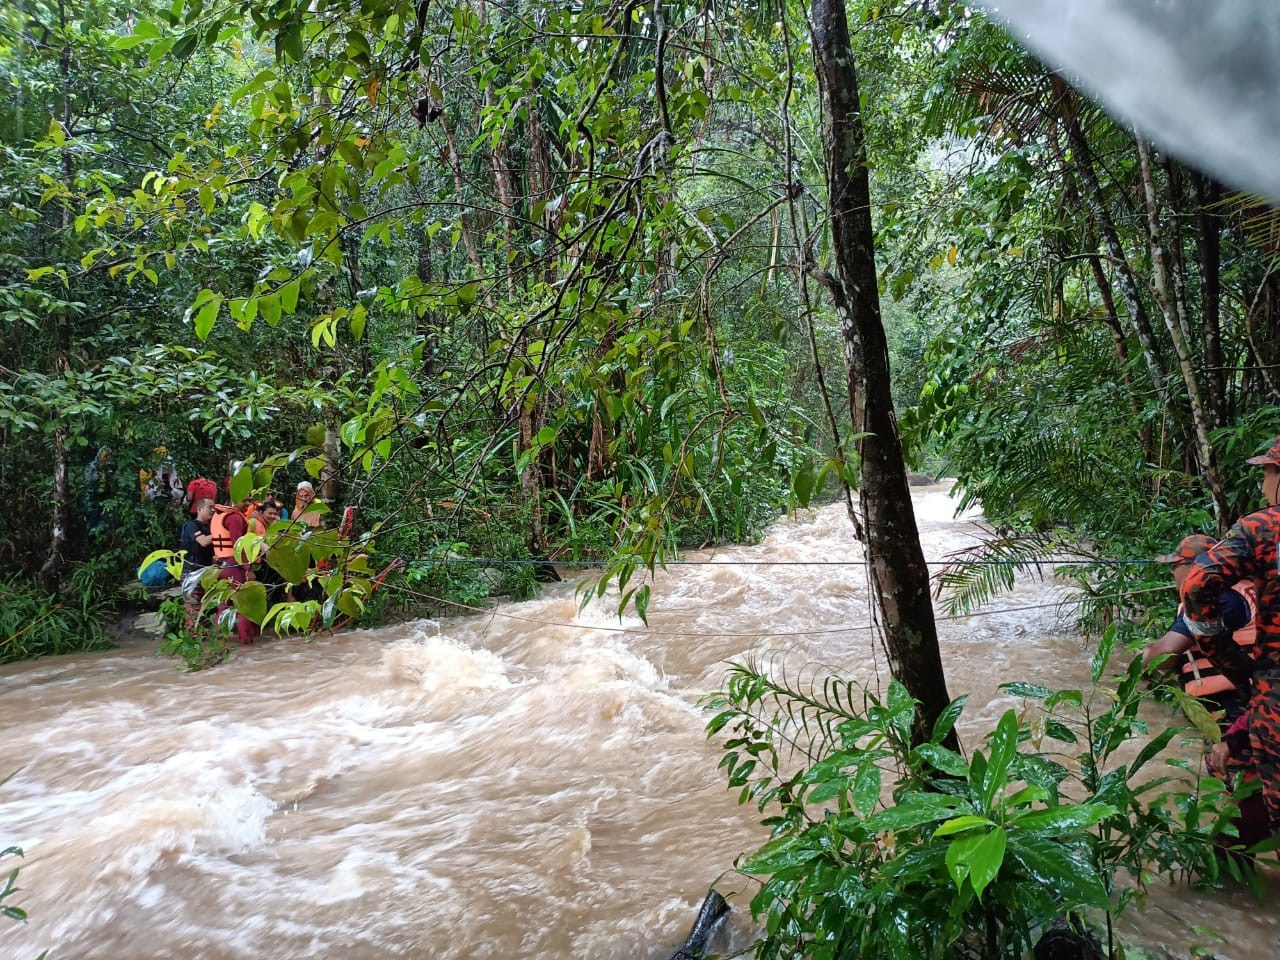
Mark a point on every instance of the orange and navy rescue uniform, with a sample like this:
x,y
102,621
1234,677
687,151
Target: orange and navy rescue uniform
x,y
1248,552
1205,668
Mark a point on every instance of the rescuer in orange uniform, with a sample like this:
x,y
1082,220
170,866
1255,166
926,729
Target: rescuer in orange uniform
x,y
1249,551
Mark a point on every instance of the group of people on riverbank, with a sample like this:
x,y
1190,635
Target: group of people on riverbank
x,y
1225,645
209,540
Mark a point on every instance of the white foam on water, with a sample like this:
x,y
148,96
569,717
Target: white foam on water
x,y
442,664
501,787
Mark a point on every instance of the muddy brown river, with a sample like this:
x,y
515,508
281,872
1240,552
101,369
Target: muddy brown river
x,y
530,783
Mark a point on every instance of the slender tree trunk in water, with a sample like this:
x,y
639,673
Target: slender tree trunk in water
x,y
1165,299
531,479
899,576
531,412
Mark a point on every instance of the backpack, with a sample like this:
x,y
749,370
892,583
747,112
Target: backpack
x,y
155,575
201,489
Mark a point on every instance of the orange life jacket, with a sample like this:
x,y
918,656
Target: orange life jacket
x,y
1200,677
224,544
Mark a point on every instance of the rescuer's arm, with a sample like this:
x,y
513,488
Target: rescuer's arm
x,y
1173,642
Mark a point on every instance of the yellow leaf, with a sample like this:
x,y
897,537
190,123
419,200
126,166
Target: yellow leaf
x,y
374,84
951,256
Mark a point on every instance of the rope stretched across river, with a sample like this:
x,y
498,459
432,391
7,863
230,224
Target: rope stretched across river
x,y
498,612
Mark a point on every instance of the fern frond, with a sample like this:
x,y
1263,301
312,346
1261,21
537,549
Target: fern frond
x,y
803,707
977,574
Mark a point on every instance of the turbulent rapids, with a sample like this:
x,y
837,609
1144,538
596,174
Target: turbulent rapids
x,y
533,783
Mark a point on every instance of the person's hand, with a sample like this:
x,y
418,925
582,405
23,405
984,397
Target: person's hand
x,y
1219,754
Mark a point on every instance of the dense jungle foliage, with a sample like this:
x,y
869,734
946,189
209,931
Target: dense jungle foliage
x,y
528,281
531,282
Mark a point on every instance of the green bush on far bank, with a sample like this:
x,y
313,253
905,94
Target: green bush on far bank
x,y
36,622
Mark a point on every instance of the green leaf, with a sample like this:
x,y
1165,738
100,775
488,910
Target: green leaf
x,y
172,560
242,483
1065,696
1057,730
1053,866
961,824
285,560
350,603
1004,744
1103,654
269,307
1158,743
1031,691
256,219
207,314
802,483
918,810
1201,719
289,295
251,600
779,854
291,42
940,758
642,603
185,45
1069,818
958,853
986,858
866,787
947,719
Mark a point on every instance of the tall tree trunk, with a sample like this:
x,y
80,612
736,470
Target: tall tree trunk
x,y
1209,247
899,575
429,325
460,186
61,506
530,405
1165,299
1263,308
802,240
531,421
1121,347
331,472
1082,158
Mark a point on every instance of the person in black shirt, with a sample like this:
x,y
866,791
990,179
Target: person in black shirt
x,y
197,541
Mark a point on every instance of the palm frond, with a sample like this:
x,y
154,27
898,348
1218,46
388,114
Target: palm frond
x,y
975,575
803,708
